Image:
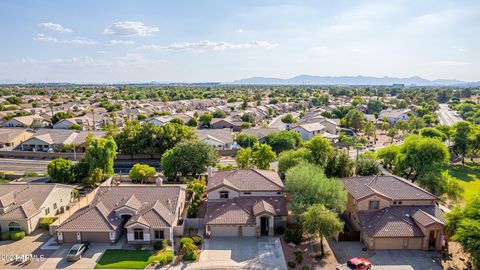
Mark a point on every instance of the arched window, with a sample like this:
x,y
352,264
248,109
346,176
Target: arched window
x,y
14,226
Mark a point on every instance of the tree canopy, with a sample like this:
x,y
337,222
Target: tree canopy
x,y
60,171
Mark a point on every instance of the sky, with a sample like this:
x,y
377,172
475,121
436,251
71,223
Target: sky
x,y
114,41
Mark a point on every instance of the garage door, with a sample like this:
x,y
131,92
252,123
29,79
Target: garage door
x,y
224,231
388,243
248,231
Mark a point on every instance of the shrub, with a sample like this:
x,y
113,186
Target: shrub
x,y
197,240
18,235
190,256
186,240
163,257
291,264
305,268
279,230
46,222
5,236
298,256
159,245
293,234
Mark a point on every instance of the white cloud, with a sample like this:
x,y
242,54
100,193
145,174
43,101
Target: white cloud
x,y
55,27
239,30
206,45
445,63
458,48
81,41
323,50
114,42
130,28
42,37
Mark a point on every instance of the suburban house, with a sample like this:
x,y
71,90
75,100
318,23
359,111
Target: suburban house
x,y
245,202
392,213
85,122
45,140
307,131
218,123
11,137
29,121
23,205
260,133
145,214
393,115
219,138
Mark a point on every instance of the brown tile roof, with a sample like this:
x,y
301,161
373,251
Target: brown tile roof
x,y
240,210
263,207
397,221
392,187
246,180
155,205
425,219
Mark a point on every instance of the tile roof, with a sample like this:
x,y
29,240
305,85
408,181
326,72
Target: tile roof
x,y
8,135
263,206
241,210
246,180
398,221
224,135
155,206
23,200
311,126
392,187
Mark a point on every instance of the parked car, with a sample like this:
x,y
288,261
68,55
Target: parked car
x,y
356,264
75,253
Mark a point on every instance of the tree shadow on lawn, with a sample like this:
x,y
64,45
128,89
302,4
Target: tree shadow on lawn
x,y
468,173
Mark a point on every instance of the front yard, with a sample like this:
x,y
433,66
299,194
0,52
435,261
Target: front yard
x,y
468,177
131,259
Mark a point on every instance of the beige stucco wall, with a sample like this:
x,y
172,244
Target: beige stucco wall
x,y
215,194
362,205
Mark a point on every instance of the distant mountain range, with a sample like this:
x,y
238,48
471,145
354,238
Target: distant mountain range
x,y
351,80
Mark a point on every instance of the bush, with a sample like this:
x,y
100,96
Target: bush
x,y
197,240
5,236
294,234
186,240
46,222
298,257
190,256
18,235
163,257
279,230
305,268
159,245
291,264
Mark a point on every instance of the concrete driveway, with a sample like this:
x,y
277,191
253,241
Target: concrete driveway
x,y
241,252
386,259
88,261
12,253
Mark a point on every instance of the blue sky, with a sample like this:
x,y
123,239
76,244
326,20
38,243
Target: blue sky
x,y
192,41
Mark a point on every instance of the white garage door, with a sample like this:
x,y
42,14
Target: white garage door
x,y
248,231
224,231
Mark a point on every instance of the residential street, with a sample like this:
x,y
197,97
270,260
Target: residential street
x,y
20,166
447,116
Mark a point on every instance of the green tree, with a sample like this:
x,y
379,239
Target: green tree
x,y
262,156
141,172
319,150
464,224
461,134
127,138
61,115
291,158
75,127
385,125
367,166
392,132
246,140
415,123
141,116
433,133
374,106
283,140
369,129
288,119
355,119
308,185
339,164
192,122
388,155
318,220
188,159
401,125
99,154
60,171
206,119
244,158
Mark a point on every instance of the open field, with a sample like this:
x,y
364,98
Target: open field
x,y
469,178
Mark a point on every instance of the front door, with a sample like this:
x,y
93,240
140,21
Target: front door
x,y
432,239
264,226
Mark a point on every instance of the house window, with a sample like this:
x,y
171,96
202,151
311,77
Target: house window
x,y
159,235
14,226
247,193
373,204
278,193
55,206
399,202
223,194
47,211
138,234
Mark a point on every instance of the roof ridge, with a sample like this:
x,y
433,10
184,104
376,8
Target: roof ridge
x,y
412,184
258,171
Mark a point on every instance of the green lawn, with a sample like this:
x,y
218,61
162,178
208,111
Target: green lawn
x,y
468,177
131,259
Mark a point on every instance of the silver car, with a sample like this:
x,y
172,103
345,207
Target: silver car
x,y
75,253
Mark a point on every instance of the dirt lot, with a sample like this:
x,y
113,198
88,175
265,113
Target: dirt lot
x,y
327,262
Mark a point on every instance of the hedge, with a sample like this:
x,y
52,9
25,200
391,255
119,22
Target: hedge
x,y
159,245
46,222
5,236
17,235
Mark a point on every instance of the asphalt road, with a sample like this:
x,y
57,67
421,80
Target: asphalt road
x,y
20,166
447,116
